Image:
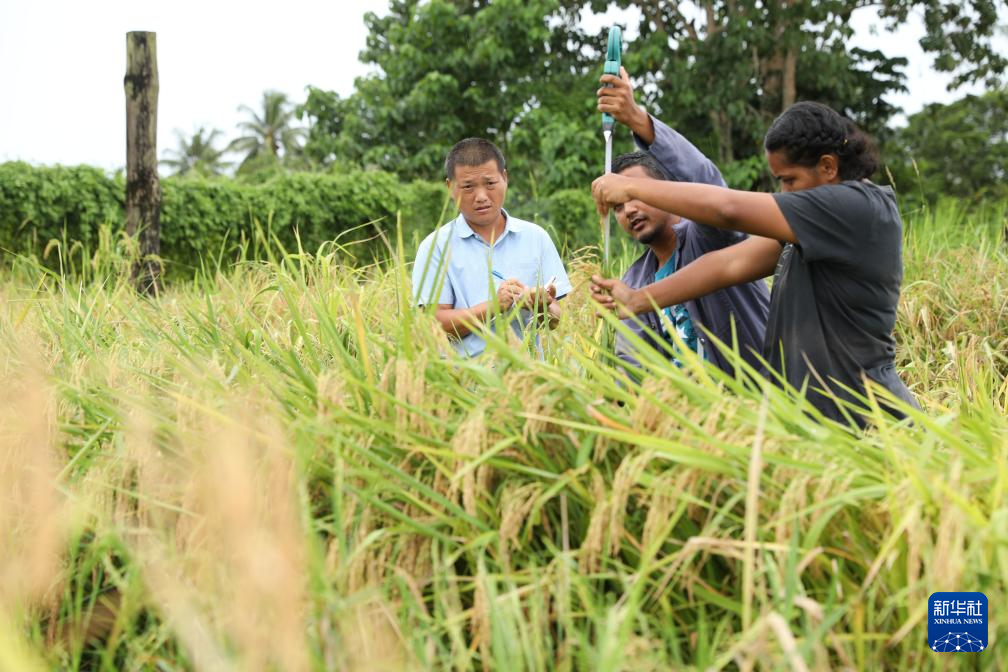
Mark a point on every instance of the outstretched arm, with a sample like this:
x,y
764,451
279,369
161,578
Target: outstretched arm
x,y
616,97
682,160
747,261
723,208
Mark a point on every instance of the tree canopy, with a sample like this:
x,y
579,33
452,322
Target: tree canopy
x,y
447,70
196,154
523,74
269,133
960,149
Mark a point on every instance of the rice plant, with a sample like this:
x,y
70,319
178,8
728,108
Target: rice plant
x,y
282,465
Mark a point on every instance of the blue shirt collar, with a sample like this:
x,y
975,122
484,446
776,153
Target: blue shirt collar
x,y
463,230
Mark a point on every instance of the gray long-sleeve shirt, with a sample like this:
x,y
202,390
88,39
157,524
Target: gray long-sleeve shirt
x,y
733,314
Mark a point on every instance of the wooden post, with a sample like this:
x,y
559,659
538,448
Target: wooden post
x,y
143,188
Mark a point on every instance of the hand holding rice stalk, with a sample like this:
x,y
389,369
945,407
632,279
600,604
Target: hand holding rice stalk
x,y
539,299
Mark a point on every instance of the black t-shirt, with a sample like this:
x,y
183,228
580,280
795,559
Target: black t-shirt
x,y
833,304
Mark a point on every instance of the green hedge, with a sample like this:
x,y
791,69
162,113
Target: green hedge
x,y
36,204
200,217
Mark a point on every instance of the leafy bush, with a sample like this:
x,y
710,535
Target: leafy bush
x,y
203,217
570,217
426,205
38,204
207,217
745,173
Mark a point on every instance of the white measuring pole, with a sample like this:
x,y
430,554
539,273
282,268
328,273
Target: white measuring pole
x,y
608,169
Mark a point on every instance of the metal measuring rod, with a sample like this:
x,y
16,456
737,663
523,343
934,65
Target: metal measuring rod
x,y
612,67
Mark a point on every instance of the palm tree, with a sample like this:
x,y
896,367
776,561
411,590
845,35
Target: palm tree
x,y
196,154
268,134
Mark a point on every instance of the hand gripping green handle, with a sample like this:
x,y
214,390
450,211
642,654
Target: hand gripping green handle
x,y
612,67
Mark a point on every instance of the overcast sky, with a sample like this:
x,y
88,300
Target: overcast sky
x,y
62,64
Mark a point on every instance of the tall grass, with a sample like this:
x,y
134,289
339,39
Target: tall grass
x,y
282,465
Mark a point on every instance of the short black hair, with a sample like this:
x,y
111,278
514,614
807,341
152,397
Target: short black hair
x,y
472,152
642,159
806,131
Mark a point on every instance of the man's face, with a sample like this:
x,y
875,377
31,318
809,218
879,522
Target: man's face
x,y
642,222
793,177
479,192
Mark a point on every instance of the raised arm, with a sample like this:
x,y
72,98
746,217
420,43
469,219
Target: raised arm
x,y
681,159
677,155
750,260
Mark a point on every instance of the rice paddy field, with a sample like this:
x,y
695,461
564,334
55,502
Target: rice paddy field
x,y
279,465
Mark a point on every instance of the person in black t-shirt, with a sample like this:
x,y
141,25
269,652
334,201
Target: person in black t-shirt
x,y
832,239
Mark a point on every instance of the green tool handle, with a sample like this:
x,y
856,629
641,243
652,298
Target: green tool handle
x,y
612,67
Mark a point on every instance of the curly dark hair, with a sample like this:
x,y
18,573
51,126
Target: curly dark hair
x,y
807,131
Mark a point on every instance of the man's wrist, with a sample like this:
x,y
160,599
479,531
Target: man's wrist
x,y
642,126
636,303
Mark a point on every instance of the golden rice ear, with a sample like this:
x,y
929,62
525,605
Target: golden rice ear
x,y
469,443
233,568
35,515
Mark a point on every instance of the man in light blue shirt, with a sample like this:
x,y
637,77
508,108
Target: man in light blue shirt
x,y
485,264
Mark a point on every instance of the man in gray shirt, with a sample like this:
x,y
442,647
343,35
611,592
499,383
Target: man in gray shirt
x,y
733,315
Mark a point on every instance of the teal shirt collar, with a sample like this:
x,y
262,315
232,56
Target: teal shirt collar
x,y
669,268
